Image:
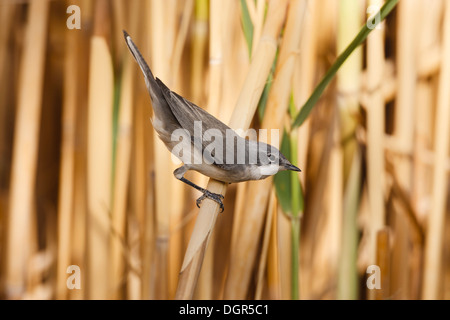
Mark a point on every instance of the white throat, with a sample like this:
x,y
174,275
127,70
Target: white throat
x,y
268,169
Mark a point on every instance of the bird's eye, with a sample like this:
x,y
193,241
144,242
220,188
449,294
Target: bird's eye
x,y
271,157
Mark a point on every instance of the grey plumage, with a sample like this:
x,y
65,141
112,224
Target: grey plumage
x,y
172,112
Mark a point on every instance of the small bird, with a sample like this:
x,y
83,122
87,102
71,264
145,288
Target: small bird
x,y
176,119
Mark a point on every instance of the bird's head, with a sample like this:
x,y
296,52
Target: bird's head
x,y
271,160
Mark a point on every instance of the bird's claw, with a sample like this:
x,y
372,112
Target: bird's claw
x,y
213,196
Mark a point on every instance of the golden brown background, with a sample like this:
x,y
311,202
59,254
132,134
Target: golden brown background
x,y
84,181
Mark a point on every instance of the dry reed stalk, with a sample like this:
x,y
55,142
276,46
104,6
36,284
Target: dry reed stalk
x,y
241,192
314,255
326,29
334,216
271,209
402,200
7,15
7,94
348,277
216,34
80,205
405,99
236,58
422,171
251,7
436,221
181,41
134,280
176,245
403,137
141,184
375,135
284,248
400,284
428,43
429,48
160,62
349,78
383,260
241,118
142,200
25,149
303,80
123,153
170,34
199,42
273,265
204,290
329,221
119,18
320,146
137,202
349,86
100,107
258,22
66,180
243,255
122,171
406,284
363,222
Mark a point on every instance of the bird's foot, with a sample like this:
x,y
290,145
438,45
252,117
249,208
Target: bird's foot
x,y
213,196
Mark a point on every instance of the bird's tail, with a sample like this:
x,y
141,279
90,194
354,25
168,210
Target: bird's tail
x,y
155,91
163,119
138,56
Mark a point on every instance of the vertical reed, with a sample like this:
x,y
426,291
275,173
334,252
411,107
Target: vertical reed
x,y
25,150
100,107
435,234
348,86
66,198
375,134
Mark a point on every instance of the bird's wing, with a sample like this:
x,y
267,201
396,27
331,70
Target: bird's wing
x,y
187,113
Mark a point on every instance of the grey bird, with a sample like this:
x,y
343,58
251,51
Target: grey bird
x,y
226,162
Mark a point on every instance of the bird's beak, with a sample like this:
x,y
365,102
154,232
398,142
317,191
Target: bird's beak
x,y
289,166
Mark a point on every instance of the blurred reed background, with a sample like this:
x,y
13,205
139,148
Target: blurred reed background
x,y
85,181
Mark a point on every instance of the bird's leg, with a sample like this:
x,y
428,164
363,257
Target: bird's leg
x,y
179,174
